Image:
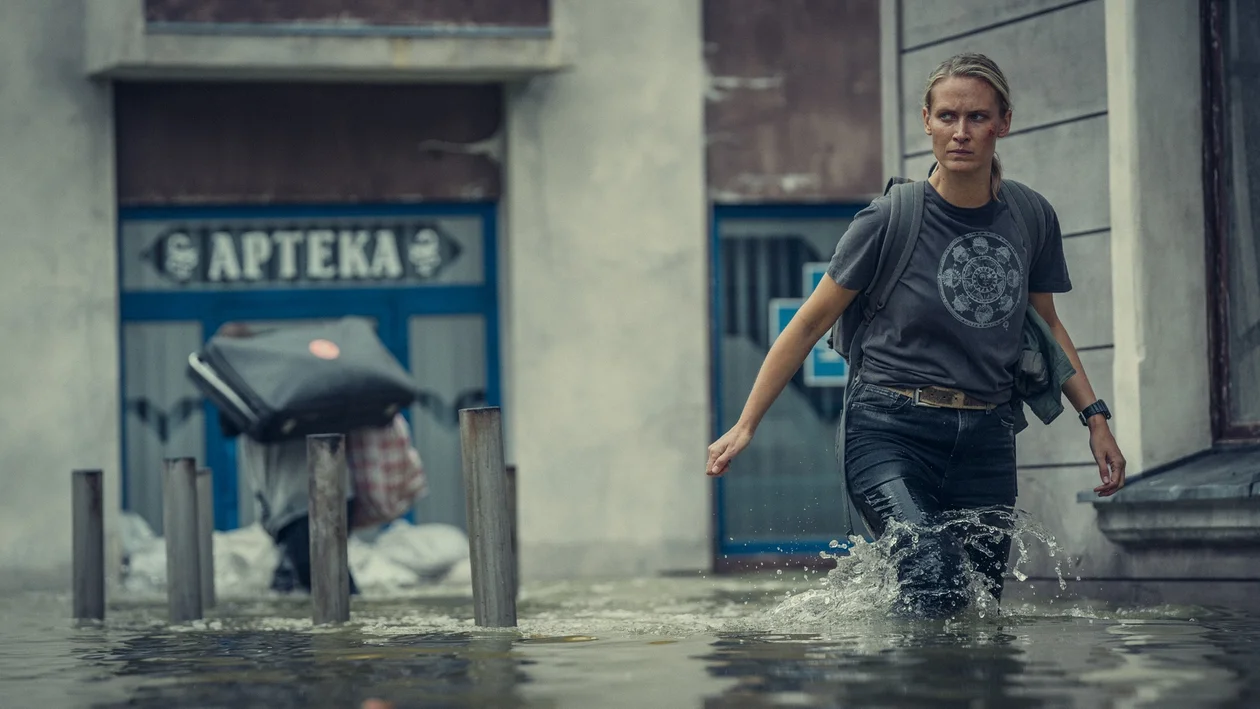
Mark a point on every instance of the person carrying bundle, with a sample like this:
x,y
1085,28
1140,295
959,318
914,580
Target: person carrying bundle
x,y
363,400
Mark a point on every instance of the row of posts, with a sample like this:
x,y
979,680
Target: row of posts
x,y
188,518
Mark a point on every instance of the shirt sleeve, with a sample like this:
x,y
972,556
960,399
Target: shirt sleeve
x,y
857,252
1049,272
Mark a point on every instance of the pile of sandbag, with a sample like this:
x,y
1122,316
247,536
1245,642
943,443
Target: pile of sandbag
x,y
403,556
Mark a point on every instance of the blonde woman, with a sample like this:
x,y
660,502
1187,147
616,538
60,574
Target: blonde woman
x,y
929,423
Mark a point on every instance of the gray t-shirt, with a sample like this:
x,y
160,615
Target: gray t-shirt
x,y
955,319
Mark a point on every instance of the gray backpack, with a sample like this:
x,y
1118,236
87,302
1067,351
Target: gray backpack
x,y
899,240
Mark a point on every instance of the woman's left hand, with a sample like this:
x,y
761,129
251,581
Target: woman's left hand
x,y
1109,458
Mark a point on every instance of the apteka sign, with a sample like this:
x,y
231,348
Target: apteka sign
x,y
266,255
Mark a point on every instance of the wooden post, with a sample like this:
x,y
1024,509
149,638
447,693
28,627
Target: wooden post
x,y
330,567
489,517
205,535
512,530
89,545
183,563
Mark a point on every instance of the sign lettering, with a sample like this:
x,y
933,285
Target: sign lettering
x,y
261,256
353,253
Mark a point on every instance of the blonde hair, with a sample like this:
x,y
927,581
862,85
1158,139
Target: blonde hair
x,y
975,66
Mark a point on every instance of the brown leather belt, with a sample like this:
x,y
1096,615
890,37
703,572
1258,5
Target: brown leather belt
x,y
942,397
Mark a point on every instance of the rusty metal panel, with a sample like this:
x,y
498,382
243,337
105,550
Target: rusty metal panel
x,y
524,13
204,143
793,105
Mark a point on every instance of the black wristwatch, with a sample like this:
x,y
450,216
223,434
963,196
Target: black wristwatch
x,y
1098,407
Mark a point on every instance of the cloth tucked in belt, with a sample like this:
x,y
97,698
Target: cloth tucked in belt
x,y
1040,374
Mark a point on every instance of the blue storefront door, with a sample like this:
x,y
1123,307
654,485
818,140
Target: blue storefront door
x,y
783,495
424,275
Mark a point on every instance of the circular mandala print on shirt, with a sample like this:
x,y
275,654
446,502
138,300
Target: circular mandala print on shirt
x,y
981,279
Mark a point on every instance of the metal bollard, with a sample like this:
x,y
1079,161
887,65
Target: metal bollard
x,y
89,545
489,517
205,535
183,563
330,567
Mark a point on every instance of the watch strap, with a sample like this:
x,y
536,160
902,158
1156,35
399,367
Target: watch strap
x,y
1098,407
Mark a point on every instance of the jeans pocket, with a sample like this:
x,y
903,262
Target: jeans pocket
x,y
878,399
1006,416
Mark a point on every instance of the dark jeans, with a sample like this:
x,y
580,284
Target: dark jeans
x,y
293,573
921,465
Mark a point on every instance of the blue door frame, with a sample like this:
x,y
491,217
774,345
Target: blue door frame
x,y
390,306
723,545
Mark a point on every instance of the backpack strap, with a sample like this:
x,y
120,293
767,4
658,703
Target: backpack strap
x,y
903,233
1030,216
900,237
905,219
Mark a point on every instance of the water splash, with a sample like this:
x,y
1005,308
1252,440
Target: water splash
x,y
888,578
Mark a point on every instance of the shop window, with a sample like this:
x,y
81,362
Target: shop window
x,y
1232,101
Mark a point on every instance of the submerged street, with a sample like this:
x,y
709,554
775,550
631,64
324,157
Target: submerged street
x,y
788,639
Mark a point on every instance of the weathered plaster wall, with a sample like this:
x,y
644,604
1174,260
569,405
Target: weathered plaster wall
x,y
1162,375
378,12
607,300
290,143
792,102
59,363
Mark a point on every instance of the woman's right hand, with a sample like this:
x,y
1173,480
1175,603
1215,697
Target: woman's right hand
x,y
726,448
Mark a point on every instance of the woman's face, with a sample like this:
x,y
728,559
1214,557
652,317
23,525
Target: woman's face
x,y
964,123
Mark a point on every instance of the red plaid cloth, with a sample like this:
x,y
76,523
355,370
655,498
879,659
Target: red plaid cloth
x,y
387,471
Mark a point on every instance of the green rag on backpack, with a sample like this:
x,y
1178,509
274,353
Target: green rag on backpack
x,y
1036,384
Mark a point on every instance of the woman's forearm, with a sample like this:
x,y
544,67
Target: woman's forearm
x,y
815,317
784,358
1077,389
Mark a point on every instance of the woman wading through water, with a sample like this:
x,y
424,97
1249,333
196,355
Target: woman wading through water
x,y
930,423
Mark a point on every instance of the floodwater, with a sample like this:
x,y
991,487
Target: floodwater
x,y
791,638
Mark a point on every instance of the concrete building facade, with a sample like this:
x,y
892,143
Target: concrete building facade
x,y
520,195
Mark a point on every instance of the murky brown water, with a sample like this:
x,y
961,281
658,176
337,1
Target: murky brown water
x,y
662,642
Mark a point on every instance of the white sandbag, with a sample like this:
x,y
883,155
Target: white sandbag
x,y
429,550
401,557
243,559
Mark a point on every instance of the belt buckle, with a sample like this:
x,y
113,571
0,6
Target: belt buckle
x,y
956,399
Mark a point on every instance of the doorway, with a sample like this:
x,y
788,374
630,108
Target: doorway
x,y
425,275
785,498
